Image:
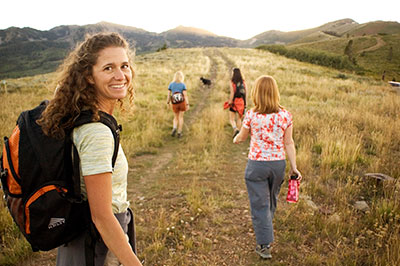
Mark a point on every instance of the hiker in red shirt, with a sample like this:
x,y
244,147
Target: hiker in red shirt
x,y
237,100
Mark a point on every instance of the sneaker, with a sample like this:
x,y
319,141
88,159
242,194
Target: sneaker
x,y
264,251
179,135
235,132
173,132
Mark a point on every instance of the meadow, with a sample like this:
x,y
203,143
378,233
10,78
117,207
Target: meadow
x,y
189,196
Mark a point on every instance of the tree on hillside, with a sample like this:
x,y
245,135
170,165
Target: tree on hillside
x,y
164,47
349,50
390,55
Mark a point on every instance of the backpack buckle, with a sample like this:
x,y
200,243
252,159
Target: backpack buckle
x,y
3,173
3,179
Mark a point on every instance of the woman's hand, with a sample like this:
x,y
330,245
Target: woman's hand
x,y
296,172
242,136
99,192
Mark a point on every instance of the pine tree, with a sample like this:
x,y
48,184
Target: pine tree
x,y
349,50
390,55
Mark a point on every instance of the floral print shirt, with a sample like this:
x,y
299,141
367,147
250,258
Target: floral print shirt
x,y
267,131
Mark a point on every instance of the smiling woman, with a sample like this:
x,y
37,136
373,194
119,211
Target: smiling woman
x,y
111,77
95,77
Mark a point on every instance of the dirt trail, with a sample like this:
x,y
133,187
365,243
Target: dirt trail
x,y
164,155
379,44
232,240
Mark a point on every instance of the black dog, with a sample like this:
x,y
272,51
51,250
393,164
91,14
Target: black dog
x,y
205,81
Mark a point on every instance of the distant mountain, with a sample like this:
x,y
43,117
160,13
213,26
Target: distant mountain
x,y
373,47
70,35
328,31
278,37
192,37
182,30
27,51
376,27
42,51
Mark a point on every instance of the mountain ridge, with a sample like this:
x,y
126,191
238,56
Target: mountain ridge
x,y
42,51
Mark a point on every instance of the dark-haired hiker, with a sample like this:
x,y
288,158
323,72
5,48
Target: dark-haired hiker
x,y
237,100
96,76
177,95
271,127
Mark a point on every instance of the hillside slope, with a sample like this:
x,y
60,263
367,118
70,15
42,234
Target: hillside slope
x,y
278,37
26,51
375,54
376,27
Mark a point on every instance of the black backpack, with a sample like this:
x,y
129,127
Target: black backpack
x,y
177,97
41,181
240,91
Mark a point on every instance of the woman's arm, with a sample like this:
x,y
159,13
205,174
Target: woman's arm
x,y
245,95
99,193
169,97
185,95
291,151
242,136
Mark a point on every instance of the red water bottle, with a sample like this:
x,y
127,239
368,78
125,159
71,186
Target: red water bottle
x,y
293,190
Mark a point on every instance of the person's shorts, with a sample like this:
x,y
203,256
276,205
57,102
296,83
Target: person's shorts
x,y
179,107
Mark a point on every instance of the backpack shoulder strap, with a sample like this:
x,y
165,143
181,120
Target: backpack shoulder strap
x,y
108,120
87,117
236,92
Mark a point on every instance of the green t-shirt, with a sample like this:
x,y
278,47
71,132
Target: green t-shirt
x,y
95,145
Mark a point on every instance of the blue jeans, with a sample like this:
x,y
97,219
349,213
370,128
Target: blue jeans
x,y
263,182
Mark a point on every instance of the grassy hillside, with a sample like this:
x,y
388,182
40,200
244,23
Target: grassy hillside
x,y
375,54
38,57
335,28
376,27
189,196
375,48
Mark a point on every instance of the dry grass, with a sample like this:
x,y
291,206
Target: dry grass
x,y
189,197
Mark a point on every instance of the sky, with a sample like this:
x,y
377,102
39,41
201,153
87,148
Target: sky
x,y
237,19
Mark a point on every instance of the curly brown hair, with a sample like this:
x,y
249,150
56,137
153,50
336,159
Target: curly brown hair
x,y
74,93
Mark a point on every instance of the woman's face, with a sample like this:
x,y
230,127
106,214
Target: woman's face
x,y
111,75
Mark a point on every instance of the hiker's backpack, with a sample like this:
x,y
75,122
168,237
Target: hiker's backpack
x,y
41,180
177,97
240,91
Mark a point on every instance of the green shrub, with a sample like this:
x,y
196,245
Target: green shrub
x,y
311,56
274,48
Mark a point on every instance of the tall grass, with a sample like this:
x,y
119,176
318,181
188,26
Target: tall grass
x,y
343,128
